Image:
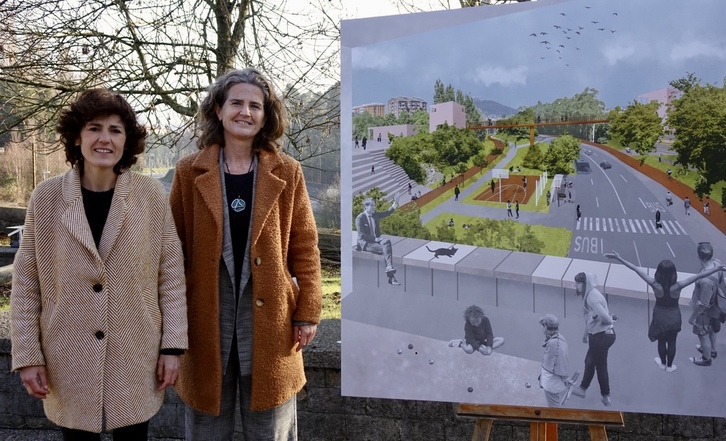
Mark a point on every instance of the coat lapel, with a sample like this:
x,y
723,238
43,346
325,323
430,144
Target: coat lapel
x,y
116,214
74,216
268,190
208,183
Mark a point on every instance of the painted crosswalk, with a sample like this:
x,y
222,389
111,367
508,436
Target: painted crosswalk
x,y
635,226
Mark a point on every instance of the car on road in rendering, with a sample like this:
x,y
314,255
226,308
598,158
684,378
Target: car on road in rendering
x,y
582,166
605,165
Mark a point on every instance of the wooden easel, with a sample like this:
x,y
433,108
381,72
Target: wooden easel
x,y
543,421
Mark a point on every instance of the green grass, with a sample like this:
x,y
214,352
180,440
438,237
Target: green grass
x,y
556,240
681,174
331,293
449,194
688,177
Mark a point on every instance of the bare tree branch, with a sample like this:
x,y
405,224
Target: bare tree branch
x,y
162,55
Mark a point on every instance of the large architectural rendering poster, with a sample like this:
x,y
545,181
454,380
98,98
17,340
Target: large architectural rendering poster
x,y
517,226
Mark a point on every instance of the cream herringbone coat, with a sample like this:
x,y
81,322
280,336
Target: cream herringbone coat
x,y
97,318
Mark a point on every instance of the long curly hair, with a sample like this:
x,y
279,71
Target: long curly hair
x,y
91,104
212,130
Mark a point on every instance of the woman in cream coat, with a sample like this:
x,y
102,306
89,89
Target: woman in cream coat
x,y
98,304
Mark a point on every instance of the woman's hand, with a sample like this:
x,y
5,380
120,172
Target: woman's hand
x,y
612,255
34,380
302,335
167,370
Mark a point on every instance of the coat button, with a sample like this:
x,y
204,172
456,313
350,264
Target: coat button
x,y
259,302
99,335
258,261
97,287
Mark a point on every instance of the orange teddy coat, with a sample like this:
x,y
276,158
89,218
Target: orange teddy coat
x,y
283,245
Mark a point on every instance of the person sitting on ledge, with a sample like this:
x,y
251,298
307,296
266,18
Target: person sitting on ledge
x,y
368,226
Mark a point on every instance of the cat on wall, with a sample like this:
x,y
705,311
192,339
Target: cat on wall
x,y
450,251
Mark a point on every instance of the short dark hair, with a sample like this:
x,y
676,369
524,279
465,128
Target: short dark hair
x,y
581,278
212,130
705,251
91,104
550,322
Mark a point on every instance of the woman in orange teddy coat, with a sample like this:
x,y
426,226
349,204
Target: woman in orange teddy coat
x,y
252,266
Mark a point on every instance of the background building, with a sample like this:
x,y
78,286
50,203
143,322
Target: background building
x,y
375,109
400,104
664,96
448,112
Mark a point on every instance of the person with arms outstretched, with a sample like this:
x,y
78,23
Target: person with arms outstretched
x,y
666,322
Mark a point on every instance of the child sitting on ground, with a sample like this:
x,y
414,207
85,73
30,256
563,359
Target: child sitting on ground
x,y
478,335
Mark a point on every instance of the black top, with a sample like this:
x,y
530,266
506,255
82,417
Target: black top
x,y
239,200
97,204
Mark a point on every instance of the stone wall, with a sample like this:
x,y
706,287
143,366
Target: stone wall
x,y
326,415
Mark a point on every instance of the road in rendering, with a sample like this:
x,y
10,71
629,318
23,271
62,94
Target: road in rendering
x,y
618,213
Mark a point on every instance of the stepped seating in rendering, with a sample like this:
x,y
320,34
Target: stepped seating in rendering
x,y
388,177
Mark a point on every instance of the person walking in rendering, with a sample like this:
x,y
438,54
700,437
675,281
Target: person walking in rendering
x,y
666,322
706,313
669,199
599,335
478,334
658,224
706,209
368,226
492,185
364,142
373,169
687,205
456,192
554,378
578,212
509,209
516,208
356,141
549,196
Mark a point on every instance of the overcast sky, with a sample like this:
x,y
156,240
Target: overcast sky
x,y
640,47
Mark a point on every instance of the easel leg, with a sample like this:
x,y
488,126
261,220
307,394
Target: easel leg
x,y
542,431
482,429
597,433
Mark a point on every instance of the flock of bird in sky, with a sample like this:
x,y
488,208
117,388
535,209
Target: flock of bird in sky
x,y
565,38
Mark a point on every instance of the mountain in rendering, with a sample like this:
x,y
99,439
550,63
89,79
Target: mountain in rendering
x,y
493,109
